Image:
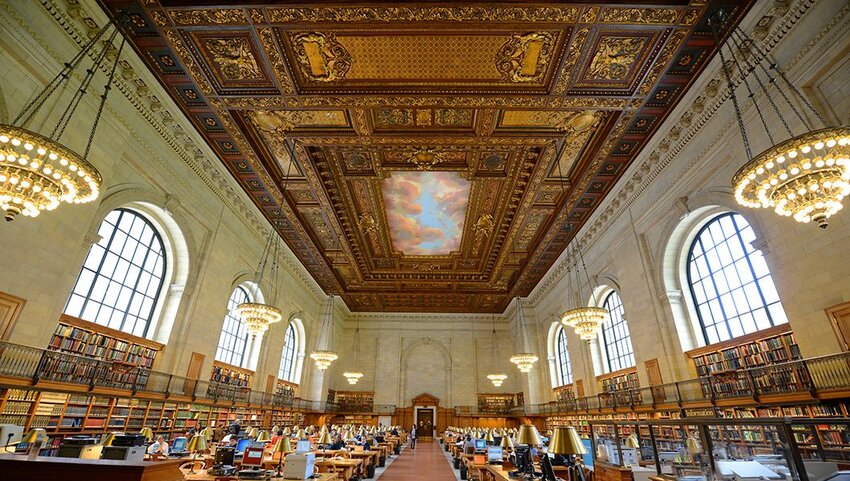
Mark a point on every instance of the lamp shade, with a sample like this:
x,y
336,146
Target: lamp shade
x,y
324,438
349,436
528,435
251,433
147,433
207,432
263,436
488,436
197,443
301,434
282,445
507,443
693,446
34,435
632,441
287,431
565,440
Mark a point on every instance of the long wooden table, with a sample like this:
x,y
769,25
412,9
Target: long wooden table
x,y
16,466
203,476
345,468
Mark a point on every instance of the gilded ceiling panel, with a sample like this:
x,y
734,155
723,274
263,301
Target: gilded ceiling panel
x,y
534,110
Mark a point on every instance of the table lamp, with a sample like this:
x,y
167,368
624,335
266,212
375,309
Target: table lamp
x,y
528,436
275,429
251,433
349,436
324,440
34,438
147,433
197,443
263,436
301,434
488,437
207,433
632,441
566,441
282,446
507,443
287,432
108,438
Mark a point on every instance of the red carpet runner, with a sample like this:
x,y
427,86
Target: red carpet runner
x,y
425,463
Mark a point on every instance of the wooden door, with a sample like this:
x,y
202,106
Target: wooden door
x,y
653,371
10,308
839,317
424,422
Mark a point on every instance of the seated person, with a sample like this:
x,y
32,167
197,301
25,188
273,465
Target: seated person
x,y
379,437
337,444
159,447
394,432
227,439
469,446
559,460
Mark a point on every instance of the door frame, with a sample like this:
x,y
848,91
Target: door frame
x,y
433,410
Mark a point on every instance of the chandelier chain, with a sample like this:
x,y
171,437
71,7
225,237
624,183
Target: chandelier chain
x,y
106,89
745,79
71,108
37,102
734,97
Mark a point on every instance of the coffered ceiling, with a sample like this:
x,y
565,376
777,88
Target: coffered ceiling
x,y
444,154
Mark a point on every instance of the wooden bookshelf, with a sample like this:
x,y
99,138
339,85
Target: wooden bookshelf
x,y
229,374
621,380
355,401
766,347
497,403
77,336
564,393
286,388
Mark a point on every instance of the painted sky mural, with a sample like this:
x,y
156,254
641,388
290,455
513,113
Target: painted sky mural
x,y
425,211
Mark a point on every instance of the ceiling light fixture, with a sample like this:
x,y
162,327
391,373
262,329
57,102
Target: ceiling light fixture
x,y
324,356
805,176
39,173
498,377
523,360
586,321
353,375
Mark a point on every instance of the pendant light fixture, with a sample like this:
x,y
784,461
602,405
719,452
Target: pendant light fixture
x,y
257,316
587,321
498,377
801,175
38,172
524,360
353,375
324,356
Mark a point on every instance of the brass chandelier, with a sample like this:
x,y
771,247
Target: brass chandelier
x,y
259,316
498,377
805,176
523,360
323,356
587,321
38,172
353,375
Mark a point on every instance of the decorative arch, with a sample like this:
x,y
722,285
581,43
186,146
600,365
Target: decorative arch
x,y
178,245
298,350
164,211
690,216
552,349
406,369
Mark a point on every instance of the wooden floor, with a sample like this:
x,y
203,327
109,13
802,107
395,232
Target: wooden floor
x,y
425,463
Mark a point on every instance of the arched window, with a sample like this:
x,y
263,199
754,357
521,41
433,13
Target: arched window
x,y
616,340
233,341
565,369
729,281
122,276
287,360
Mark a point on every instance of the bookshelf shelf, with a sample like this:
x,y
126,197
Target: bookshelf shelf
x,y
355,401
498,403
224,373
769,346
621,380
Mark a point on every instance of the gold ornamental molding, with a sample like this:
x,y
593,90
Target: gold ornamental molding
x,y
412,14
321,57
524,57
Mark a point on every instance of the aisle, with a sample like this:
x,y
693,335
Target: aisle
x,y
426,462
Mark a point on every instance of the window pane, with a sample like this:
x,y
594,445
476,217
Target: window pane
x,y
233,339
108,277
616,340
287,360
730,282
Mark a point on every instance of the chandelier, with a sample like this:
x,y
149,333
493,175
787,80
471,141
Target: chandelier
x,y
259,316
39,173
586,321
805,176
523,360
352,376
323,356
496,378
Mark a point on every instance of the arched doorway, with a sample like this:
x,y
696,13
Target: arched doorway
x,y
425,415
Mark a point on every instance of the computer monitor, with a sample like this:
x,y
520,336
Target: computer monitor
x,y
480,445
224,456
548,470
253,457
179,445
494,454
242,445
302,446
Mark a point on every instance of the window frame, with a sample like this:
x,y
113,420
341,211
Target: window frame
x,y
156,237
748,250
231,351
562,358
611,326
290,353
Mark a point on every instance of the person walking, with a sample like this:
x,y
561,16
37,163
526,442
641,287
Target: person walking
x,y
413,437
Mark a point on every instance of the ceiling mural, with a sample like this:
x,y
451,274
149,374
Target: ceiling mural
x,y
447,150
425,211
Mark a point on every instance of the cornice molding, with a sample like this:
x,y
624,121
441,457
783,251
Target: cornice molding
x,y
658,155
